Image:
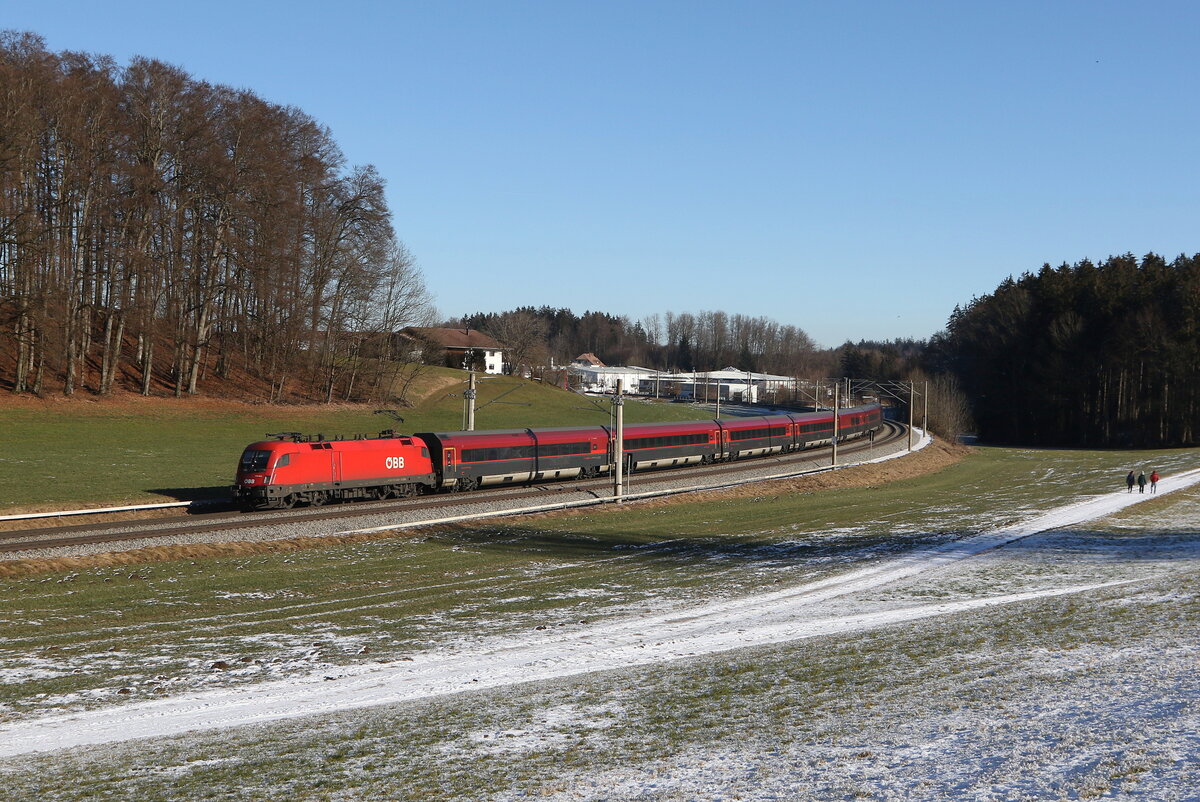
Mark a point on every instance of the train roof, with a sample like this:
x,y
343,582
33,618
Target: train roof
x,y
340,443
666,428
756,420
554,432
670,426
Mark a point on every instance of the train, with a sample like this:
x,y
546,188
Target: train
x,y
295,469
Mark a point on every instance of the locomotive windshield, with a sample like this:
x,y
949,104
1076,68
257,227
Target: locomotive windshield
x,y
254,461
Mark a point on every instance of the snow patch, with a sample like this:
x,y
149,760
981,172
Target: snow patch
x,y
762,619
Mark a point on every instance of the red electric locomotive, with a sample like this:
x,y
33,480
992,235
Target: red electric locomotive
x,y
295,468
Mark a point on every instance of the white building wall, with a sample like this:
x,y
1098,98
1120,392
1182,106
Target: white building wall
x,y
604,379
493,361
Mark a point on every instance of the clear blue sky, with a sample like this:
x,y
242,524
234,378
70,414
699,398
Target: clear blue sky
x,y
855,169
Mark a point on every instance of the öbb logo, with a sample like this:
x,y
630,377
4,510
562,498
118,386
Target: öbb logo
x,y
394,463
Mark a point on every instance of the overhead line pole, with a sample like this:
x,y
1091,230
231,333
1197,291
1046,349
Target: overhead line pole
x,y
836,389
894,389
925,411
619,442
912,388
469,399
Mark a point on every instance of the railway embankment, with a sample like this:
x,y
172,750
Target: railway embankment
x,y
78,548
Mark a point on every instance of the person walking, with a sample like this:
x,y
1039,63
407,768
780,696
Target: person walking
x,y
1154,481
1129,480
1142,482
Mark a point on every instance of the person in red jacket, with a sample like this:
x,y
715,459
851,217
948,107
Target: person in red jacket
x,y
1154,481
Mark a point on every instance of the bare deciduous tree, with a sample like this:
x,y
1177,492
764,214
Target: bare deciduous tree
x,y
200,221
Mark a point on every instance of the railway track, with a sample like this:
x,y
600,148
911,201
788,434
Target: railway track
x,y
14,543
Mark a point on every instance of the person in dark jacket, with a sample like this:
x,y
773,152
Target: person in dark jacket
x,y
1129,480
1142,482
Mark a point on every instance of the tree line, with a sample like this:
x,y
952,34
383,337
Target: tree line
x,y
154,227
708,340
1086,354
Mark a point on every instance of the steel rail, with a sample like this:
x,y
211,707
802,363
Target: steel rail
x,y
15,541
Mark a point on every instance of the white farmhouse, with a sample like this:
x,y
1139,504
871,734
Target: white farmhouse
x,y
462,346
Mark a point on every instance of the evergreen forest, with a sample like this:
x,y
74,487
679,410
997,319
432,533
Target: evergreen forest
x,y
1100,355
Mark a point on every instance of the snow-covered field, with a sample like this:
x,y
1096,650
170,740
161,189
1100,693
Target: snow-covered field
x,y
1049,656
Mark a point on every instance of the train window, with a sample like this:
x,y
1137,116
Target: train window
x,y
666,442
494,454
564,449
754,434
254,461
286,459
424,452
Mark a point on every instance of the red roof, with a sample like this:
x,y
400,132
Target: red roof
x,y
455,338
590,359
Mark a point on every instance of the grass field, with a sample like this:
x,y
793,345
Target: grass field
x,y
965,498
82,636
834,719
936,711
150,450
834,710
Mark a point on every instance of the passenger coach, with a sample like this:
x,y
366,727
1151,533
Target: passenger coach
x,y
662,445
467,460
